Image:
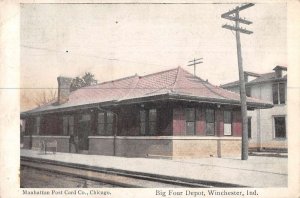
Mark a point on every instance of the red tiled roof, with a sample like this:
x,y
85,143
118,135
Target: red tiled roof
x,y
231,84
174,83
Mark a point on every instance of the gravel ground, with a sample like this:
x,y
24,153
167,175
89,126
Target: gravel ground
x,y
45,179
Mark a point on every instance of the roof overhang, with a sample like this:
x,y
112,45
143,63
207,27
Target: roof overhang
x,y
156,98
68,109
283,79
188,98
252,105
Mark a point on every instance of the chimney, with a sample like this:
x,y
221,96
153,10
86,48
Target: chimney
x,y
278,71
64,84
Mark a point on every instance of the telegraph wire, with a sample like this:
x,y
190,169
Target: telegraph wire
x,y
91,56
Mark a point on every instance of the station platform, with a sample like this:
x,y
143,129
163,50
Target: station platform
x,y
257,171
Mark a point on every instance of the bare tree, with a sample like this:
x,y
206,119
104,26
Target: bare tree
x,y
45,97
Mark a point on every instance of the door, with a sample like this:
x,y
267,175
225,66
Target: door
x,y
83,132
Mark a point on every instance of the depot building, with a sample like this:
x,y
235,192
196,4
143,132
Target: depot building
x,y
165,114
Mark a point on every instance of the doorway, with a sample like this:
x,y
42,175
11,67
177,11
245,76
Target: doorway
x,y
84,129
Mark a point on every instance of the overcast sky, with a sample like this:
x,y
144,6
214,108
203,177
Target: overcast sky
x,y
118,40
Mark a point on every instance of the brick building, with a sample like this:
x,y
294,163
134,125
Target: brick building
x,y
170,113
267,127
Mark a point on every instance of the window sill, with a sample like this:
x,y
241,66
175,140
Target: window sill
x,y
279,105
47,136
279,139
168,137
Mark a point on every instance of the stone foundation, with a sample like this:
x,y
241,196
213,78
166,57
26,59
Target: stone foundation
x,y
62,142
150,146
166,146
275,144
130,146
198,147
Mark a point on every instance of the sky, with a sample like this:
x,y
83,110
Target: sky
x,y
118,40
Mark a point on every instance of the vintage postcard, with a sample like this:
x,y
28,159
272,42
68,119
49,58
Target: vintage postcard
x,y
150,99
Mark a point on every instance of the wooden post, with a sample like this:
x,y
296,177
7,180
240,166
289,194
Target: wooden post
x,y
243,98
242,93
194,63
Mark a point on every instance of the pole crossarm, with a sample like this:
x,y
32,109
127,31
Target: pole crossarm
x,y
229,27
196,59
237,19
237,9
195,63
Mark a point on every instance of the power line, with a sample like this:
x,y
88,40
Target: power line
x,y
93,56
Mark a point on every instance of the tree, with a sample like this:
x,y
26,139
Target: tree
x,y
45,97
86,80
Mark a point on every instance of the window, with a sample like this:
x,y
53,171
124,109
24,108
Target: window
x,y
109,123
248,91
210,122
105,123
101,123
280,127
278,93
282,93
227,123
190,118
65,125
148,119
37,125
152,121
85,118
249,127
68,125
143,122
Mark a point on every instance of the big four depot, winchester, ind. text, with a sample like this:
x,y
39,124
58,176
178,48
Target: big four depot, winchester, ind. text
x,y
198,193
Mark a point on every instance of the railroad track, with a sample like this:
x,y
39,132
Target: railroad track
x,y
119,178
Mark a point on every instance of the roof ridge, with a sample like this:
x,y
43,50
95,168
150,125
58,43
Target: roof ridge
x,y
176,79
102,83
229,83
111,81
127,77
206,83
133,88
164,71
203,82
268,73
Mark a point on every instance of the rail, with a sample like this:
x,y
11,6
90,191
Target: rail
x,y
115,177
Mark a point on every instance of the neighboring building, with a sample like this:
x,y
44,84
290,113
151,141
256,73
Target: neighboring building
x,y
267,127
171,113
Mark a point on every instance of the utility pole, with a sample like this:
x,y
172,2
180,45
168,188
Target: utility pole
x,y
194,63
234,15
